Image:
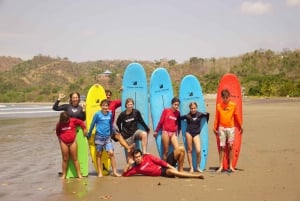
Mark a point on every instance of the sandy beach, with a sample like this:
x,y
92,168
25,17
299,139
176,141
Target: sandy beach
x,y
267,167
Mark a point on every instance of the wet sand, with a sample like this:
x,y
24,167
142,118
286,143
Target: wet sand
x,y
268,164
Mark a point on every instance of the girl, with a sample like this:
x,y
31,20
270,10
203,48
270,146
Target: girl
x,y
170,124
66,133
192,133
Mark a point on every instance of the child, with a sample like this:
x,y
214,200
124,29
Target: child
x,y
192,133
226,115
127,123
66,133
103,121
170,124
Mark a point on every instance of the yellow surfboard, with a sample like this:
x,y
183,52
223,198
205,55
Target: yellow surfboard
x,y
95,95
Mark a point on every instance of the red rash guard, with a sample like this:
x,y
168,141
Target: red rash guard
x,y
169,120
150,166
67,131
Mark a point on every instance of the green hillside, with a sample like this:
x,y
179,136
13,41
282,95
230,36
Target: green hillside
x,y
261,72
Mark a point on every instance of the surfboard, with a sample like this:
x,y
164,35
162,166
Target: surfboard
x,y
161,94
190,91
94,96
135,86
231,82
82,154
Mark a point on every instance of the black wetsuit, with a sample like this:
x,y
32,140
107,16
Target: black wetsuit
x,y
74,111
193,122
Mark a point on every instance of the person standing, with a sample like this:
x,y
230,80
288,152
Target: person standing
x,y
193,131
73,108
66,133
224,126
103,121
127,123
170,124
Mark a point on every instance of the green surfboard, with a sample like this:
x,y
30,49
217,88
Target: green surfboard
x,y
82,154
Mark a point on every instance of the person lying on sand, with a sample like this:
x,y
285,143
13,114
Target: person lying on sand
x,y
150,165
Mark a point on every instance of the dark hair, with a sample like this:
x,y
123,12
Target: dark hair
x,y
64,117
104,101
107,91
225,93
70,97
193,103
128,100
136,151
174,100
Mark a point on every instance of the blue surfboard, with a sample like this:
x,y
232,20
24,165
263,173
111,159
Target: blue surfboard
x,y
190,91
161,94
135,86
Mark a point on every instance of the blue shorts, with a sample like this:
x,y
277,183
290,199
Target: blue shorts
x,y
103,142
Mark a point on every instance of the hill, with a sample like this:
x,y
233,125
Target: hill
x,y
261,72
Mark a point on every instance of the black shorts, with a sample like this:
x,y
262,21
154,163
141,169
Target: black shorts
x,y
171,159
164,172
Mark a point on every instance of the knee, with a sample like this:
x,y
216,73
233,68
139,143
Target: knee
x,y
111,154
180,149
65,159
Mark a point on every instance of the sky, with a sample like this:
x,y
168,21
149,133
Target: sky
x,y
91,30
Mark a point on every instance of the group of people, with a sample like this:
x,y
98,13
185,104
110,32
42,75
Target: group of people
x,y
127,132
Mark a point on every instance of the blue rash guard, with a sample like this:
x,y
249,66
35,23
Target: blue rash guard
x,y
103,124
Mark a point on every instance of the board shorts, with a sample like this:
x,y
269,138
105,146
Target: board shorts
x,y
226,134
103,142
135,135
170,133
164,173
172,161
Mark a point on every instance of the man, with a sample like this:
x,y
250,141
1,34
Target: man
x,y
150,165
115,135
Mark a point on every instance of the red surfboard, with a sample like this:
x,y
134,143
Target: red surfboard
x,y
231,82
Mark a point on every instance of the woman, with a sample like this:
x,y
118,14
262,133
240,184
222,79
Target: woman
x,y
73,109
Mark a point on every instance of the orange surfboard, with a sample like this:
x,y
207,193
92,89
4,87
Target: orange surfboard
x,y
231,82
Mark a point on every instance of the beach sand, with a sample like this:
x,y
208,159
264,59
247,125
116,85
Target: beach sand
x,y
267,167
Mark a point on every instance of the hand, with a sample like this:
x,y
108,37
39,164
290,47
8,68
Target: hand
x,y
61,96
83,105
155,134
241,130
130,161
216,132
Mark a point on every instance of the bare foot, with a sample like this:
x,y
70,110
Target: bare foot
x,y
100,175
116,174
199,170
232,169
191,170
131,148
80,176
220,169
